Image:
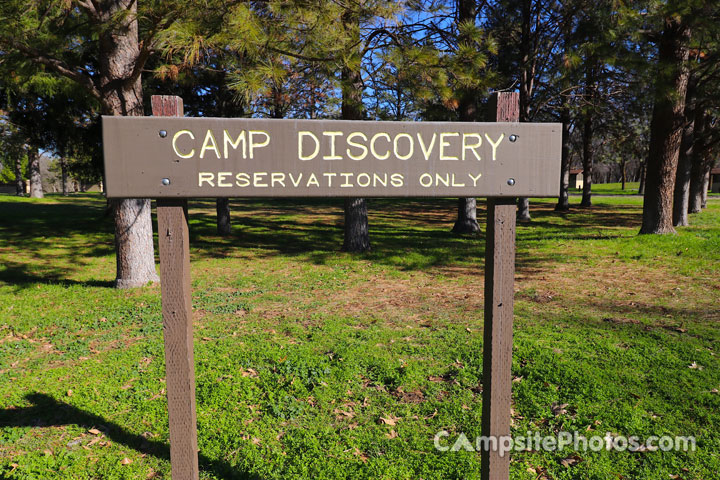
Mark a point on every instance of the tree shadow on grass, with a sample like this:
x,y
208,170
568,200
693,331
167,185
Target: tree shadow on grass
x,y
21,277
47,411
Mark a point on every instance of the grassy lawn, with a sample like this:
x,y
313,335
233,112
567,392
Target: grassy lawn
x,y
631,188
314,364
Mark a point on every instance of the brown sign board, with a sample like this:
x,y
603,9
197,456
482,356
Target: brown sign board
x,y
160,157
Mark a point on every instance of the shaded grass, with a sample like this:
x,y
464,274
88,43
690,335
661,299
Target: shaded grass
x,y
312,363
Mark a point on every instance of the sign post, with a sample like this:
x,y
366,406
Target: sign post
x,y
498,321
172,158
174,246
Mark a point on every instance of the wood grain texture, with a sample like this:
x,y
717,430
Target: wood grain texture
x,y
174,246
499,292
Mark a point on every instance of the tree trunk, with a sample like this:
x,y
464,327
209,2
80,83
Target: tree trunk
x,y
705,185
666,127
357,238
701,157
19,180
467,216
523,210
587,161
356,233
64,177
641,187
119,52
563,204
36,189
527,85
681,195
466,221
623,173
222,207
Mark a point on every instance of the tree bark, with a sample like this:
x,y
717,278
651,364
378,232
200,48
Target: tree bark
x,y
466,221
19,180
666,127
563,204
705,185
36,188
357,238
467,216
697,179
523,209
122,95
641,187
64,177
681,195
356,233
222,207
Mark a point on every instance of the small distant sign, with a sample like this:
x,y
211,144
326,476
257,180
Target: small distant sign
x,y
156,157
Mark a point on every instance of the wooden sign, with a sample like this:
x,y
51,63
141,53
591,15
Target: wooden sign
x,y
218,157
171,158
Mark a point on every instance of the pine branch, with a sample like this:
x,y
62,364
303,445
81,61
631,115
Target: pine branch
x,y
58,66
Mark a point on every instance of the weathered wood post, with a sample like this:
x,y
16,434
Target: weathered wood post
x,y
499,285
174,246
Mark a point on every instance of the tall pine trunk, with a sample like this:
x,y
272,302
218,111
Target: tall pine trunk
x,y
641,186
527,84
356,236
19,180
666,127
681,195
64,177
563,204
588,132
466,221
222,208
36,188
705,186
697,179
122,96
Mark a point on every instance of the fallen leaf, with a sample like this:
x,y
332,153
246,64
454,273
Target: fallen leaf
x,y
126,461
69,393
570,461
391,434
714,390
94,431
558,409
389,420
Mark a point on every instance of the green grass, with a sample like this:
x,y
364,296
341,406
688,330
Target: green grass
x,y
631,188
311,363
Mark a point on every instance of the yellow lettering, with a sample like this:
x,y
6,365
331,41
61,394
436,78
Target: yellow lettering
x,y
277,178
444,143
426,151
227,140
475,178
258,178
205,177
473,146
301,135
372,146
395,146
332,155
254,145
495,144
209,144
174,144
362,147
221,176
242,180
397,180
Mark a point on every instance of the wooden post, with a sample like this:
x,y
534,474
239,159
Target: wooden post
x,y
499,291
174,246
